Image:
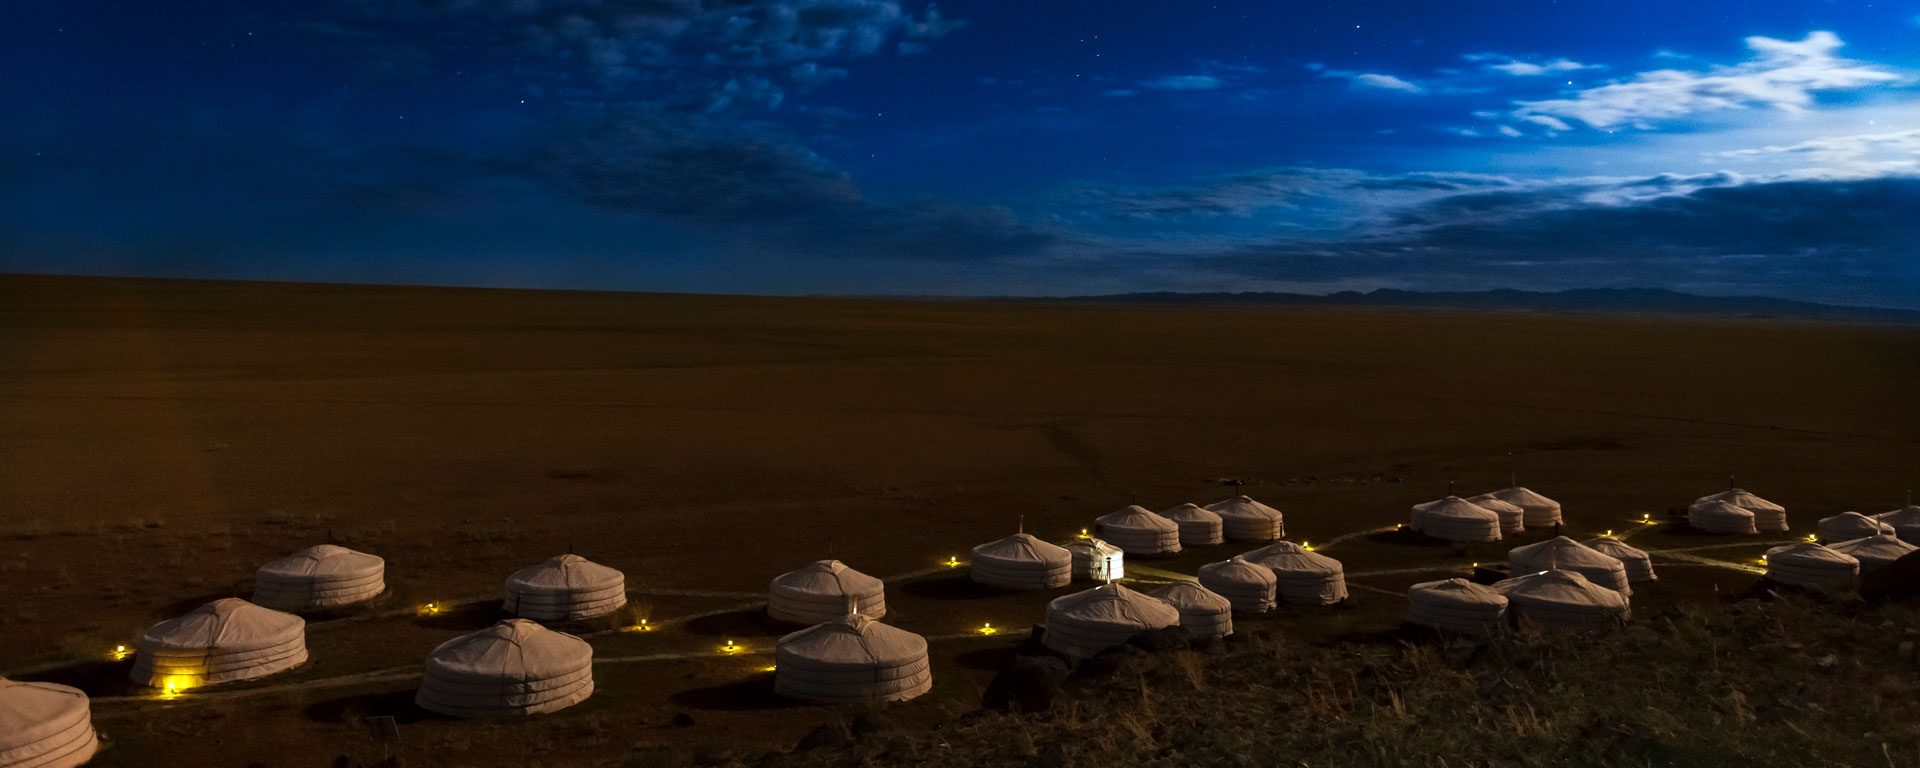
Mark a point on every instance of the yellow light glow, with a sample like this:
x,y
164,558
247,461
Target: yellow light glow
x,y
770,668
1308,546
1763,559
643,626
1084,534
119,652
987,628
1609,533
1646,517
730,647
430,609
173,686
1813,537
953,561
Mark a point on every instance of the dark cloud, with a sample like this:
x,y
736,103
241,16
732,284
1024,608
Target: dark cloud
x,y
1246,194
686,167
810,73
1231,195
1842,237
922,230
755,184
665,126
706,52
1444,182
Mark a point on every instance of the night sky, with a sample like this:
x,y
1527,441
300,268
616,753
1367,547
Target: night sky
x,y
977,148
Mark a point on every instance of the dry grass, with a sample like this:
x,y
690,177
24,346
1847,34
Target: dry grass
x,y
1780,683
165,439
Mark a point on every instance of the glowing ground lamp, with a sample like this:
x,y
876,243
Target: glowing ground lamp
x,y
1084,534
1813,537
1307,545
643,626
953,561
430,609
731,647
119,653
1646,518
175,685
987,628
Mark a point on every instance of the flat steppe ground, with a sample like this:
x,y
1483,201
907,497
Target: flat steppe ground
x,y
159,440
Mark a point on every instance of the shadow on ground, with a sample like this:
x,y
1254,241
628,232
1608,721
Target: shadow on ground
x,y
753,694
354,709
950,587
97,678
464,618
985,659
747,622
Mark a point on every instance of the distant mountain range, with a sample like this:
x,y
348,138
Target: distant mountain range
x,y
1600,300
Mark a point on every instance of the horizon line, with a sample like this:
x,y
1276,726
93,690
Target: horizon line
x,y
479,286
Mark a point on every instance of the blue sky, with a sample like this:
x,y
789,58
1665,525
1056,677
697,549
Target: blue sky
x,y
882,147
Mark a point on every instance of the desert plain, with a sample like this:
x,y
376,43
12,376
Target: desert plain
x,y
159,440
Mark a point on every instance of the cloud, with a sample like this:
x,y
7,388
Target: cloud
x,y
932,25
702,53
1858,155
1322,195
1716,234
1366,79
1183,83
1388,82
1550,122
661,124
1211,74
810,73
1233,195
683,167
758,188
1311,229
1783,74
1518,68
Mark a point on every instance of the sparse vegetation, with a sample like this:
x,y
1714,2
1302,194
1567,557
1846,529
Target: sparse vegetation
x,y
713,442
1787,682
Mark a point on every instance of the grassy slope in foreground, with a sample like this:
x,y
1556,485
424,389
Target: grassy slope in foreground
x,y
1779,683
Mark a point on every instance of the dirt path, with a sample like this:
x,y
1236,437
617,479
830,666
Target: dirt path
x,y
122,706
412,671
